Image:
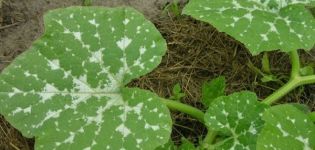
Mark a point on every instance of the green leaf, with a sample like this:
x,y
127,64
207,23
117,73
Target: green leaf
x,y
173,7
262,25
312,116
168,146
238,116
176,93
268,78
286,127
213,89
186,145
302,107
176,89
68,90
307,70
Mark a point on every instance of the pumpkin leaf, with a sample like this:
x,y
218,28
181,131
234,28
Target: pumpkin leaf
x,y
168,146
286,127
238,117
68,90
302,107
262,25
307,70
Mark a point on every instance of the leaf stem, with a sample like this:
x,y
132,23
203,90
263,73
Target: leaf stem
x,y
187,109
266,63
295,62
208,140
194,112
295,80
285,89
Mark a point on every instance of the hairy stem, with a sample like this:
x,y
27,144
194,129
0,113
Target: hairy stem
x,y
295,80
285,89
295,62
307,80
208,140
194,112
266,63
184,108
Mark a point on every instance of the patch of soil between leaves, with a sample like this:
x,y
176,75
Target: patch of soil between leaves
x,y
196,53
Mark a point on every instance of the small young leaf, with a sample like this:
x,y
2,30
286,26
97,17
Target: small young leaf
x,y
268,78
68,90
286,127
262,25
176,93
186,145
213,89
176,89
173,7
238,116
308,70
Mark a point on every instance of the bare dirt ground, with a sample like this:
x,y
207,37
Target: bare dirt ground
x,y
196,53
21,21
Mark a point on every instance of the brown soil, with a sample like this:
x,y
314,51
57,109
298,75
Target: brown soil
x,y
196,53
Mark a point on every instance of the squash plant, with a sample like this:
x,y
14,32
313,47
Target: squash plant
x,y
262,25
69,89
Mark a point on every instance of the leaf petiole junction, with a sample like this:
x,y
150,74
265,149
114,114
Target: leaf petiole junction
x,y
296,80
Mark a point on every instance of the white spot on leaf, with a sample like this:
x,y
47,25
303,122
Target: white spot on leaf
x,y
123,130
123,43
54,64
93,22
126,21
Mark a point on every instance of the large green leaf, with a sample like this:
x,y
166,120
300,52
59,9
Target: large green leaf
x,y
238,116
68,90
286,128
262,25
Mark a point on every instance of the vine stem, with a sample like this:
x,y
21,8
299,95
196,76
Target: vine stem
x,y
295,62
266,63
295,80
208,140
194,112
184,108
